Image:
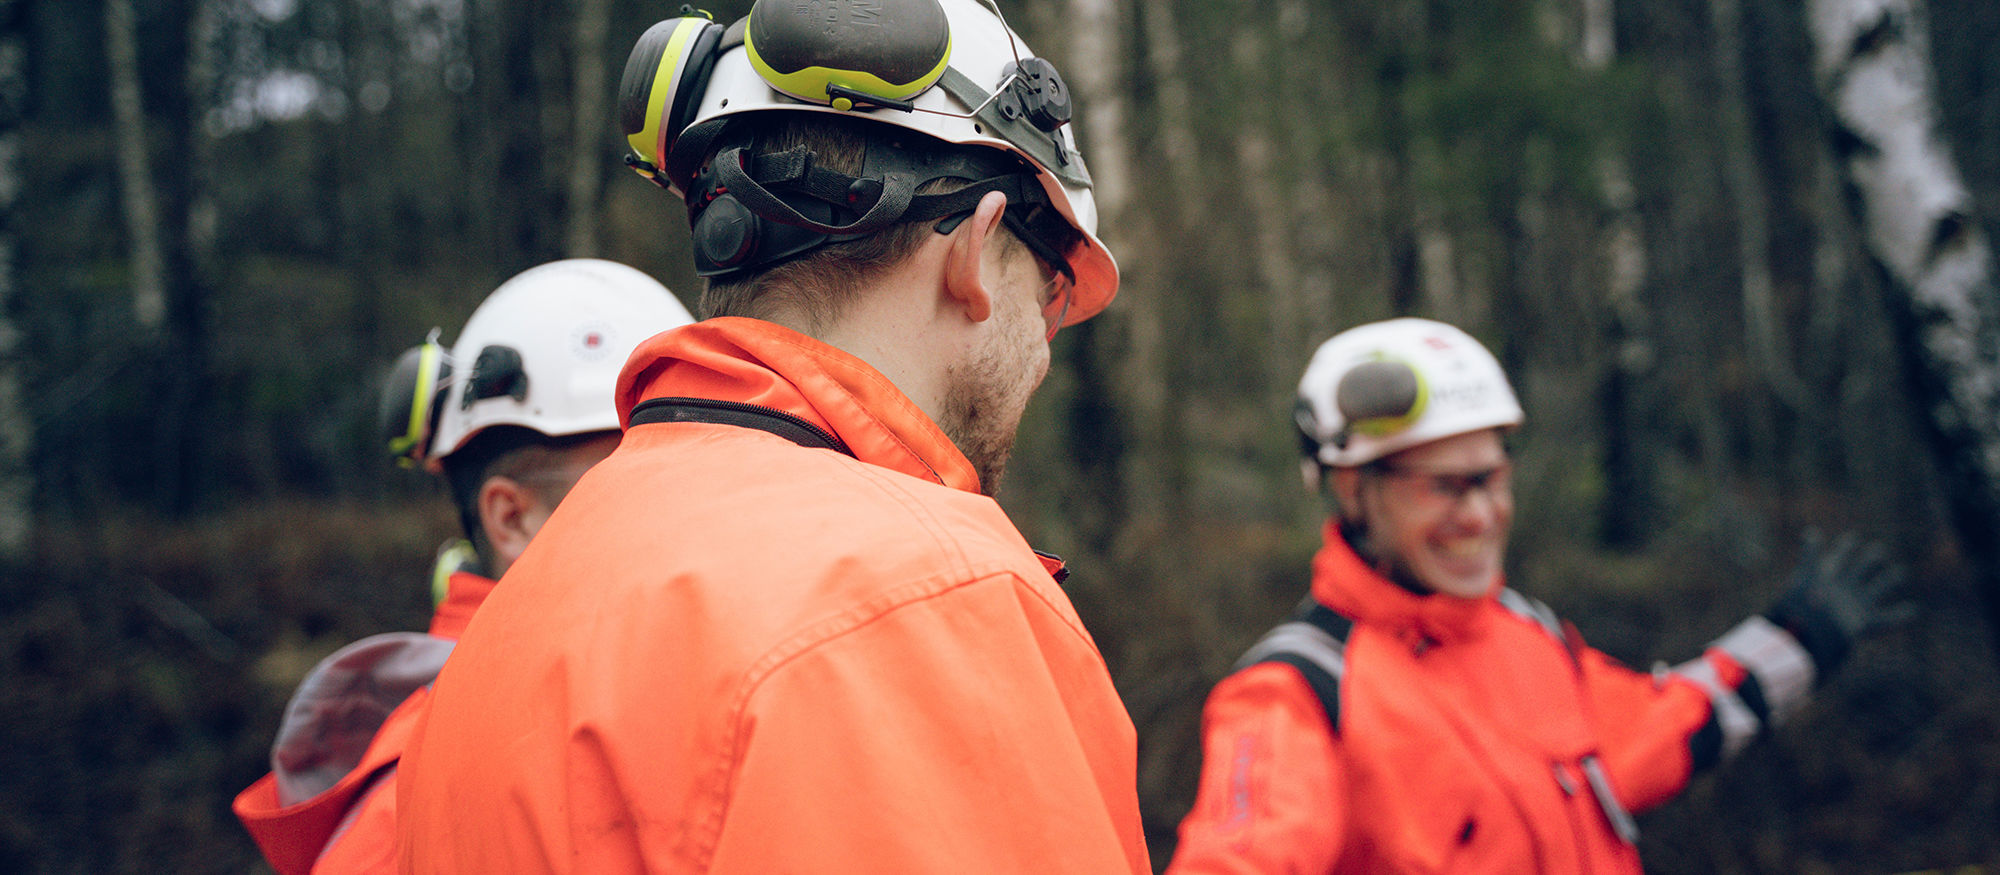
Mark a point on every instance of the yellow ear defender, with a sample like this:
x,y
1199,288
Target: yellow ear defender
x,y
662,86
855,54
1381,397
455,556
411,400
843,55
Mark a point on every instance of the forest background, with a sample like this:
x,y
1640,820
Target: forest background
x,y
221,219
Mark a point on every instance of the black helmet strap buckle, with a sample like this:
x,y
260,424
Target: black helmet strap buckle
x,y
752,211
795,169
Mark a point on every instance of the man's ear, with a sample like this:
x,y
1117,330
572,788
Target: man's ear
x,y
965,279
1344,485
507,513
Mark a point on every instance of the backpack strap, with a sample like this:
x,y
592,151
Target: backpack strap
x,y
1533,610
785,425
1314,642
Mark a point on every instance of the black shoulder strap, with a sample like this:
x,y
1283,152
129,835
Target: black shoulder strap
x,y
777,422
1313,641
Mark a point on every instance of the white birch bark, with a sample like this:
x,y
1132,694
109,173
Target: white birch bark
x,y
135,174
1872,62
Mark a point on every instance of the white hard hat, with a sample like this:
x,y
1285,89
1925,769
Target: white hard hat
x,y
543,352
950,69
1387,386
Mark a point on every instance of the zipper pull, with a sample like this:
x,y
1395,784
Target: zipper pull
x,y
1563,780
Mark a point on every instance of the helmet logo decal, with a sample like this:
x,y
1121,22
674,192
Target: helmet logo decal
x,y
592,341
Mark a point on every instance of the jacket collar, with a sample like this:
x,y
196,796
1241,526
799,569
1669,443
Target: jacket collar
x,y
1345,582
755,362
463,595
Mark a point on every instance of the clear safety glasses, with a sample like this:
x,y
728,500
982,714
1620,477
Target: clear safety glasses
x,y
1449,488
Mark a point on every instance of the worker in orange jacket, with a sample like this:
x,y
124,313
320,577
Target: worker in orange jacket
x,y
784,627
510,417
1418,716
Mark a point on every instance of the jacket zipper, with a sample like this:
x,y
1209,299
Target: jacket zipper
x,y
1576,827
794,419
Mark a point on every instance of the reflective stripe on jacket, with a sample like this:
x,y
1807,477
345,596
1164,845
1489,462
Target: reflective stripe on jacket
x,y
726,652
1465,736
328,805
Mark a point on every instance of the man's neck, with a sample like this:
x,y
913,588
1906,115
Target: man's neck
x,y
890,328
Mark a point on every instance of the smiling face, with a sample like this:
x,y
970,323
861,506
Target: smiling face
x,y
1436,516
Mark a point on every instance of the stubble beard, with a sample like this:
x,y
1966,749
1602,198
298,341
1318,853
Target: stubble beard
x,y
985,396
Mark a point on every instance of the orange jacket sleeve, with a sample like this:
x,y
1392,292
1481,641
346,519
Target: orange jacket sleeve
x,y
1659,729
1646,725
1268,800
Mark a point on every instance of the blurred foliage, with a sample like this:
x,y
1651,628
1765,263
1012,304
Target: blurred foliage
x,y
347,174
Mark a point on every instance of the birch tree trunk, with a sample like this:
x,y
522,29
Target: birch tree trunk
x,y
1872,63
591,128
16,430
135,174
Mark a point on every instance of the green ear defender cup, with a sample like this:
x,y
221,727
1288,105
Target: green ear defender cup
x,y
849,54
662,86
410,400
1381,397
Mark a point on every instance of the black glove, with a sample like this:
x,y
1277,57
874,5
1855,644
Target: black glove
x,y
1838,594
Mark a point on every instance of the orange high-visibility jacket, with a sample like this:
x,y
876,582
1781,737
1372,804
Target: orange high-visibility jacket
x,y
727,652
1465,735
328,807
